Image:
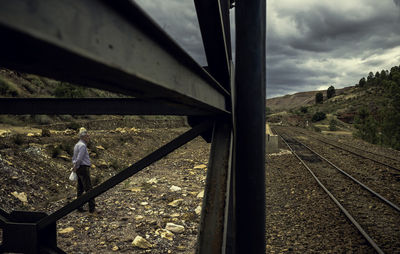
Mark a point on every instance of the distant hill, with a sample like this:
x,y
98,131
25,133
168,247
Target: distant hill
x,y
297,100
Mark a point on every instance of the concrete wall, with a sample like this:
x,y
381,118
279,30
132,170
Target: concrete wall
x,y
271,141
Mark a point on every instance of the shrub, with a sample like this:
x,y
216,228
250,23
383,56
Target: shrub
x,y
18,139
316,129
42,119
330,92
73,125
55,151
333,125
303,109
65,90
319,97
7,88
68,146
318,116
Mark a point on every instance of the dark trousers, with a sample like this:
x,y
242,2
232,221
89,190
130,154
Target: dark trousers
x,y
84,183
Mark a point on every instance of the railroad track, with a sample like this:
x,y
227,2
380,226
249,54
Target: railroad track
x,y
375,217
348,148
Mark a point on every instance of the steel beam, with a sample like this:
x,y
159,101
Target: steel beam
x,y
213,17
111,45
249,126
213,223
95,106
126,173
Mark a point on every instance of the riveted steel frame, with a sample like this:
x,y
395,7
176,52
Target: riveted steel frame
x,y
115,46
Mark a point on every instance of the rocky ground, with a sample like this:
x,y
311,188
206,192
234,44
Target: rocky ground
x,y
158,209
300,216
155,211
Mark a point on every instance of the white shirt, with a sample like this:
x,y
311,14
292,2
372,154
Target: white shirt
x,y
81,155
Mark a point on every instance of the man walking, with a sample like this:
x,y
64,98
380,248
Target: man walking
x,y
81,162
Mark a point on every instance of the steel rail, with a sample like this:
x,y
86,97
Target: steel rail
x,y
352,178
365,151
347,214
111,45
360,155
126,173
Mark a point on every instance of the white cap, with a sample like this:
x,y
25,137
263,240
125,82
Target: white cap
x,y
82,132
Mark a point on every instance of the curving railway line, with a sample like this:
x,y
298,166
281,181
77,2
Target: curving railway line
x,y
388,161
373,211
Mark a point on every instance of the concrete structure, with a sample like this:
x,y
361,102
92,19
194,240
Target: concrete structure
x,y
271,141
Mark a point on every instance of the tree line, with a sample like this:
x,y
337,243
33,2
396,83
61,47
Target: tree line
x,y
381,125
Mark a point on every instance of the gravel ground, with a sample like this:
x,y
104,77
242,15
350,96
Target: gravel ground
x,y
300,216
384,180
378,219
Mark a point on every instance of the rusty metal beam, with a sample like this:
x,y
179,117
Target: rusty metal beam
x,y
95,106
249,126
213,222
213,17
111,45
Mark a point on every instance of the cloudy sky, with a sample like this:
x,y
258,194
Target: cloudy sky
x,y
311,44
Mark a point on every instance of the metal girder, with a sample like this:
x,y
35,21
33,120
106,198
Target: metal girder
x,y
213,223
126,173
95,106
213,17
249,127
111,45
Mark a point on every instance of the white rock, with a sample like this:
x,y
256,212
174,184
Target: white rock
x,y
198,210
140,242
175,228
4,133
144,203
139,217
175,215
66,230
200,166
175,188
152,181
176,202
201,194
164,233
21,196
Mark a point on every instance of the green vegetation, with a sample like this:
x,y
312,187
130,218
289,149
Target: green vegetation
x,y
333,125
303,110
379,123
330,92
66,90
73,125
8,88
18,139
318,116
268,111
319,98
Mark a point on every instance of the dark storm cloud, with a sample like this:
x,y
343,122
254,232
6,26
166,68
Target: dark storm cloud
x,y
311,44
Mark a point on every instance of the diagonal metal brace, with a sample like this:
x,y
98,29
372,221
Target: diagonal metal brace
x,y
126,173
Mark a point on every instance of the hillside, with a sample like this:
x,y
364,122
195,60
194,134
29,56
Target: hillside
x,y
370,110
297,100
